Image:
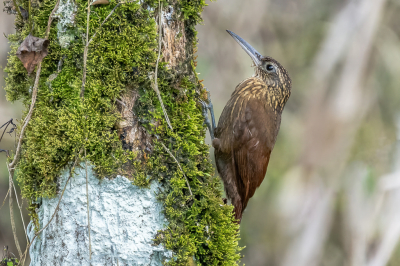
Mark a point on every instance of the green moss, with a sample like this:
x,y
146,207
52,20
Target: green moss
x,y
200,226
121,56
62,124
9,262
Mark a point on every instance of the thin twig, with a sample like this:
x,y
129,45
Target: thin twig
x,y
6,124
12,214
169,152
5,198
121,102
28,117
20,212
51,19
11,166
30,16
34,95
85,52
22,258
155,84
7,152
88,207
124,105
109,15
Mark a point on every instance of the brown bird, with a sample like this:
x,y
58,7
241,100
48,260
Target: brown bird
x,y
248,127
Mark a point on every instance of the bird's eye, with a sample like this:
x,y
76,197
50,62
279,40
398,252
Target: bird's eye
x,y
270,68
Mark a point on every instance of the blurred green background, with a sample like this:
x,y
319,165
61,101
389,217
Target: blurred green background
x,y
331,191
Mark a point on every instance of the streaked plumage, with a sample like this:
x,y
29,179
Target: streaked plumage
x,y
248,127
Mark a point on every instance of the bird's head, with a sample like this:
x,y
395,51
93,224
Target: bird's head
x,y
266,68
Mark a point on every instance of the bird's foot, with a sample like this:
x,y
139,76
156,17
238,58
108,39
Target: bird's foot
x,y
205,107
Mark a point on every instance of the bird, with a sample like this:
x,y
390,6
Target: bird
x,y
248,127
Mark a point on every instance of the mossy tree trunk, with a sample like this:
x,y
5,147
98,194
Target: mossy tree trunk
x,y
144,208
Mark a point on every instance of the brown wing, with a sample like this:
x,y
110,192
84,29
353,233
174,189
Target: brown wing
x,y
251,150
245,137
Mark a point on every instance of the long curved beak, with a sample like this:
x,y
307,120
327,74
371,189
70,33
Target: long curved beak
x,y
255,56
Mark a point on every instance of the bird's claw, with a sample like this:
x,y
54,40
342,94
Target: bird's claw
x,y
205,108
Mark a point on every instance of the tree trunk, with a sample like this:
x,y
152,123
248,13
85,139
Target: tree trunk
x,y
110,180
123,222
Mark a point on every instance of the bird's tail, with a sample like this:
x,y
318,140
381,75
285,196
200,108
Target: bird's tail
x,y
238,212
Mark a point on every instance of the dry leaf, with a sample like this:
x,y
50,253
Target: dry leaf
x,y
100,2
32,51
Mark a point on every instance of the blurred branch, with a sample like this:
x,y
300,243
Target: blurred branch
x,y
5,198
372,219
386,220
9,122
5,125
20,212
6,151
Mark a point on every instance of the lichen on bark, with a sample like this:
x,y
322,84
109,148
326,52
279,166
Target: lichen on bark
x,y
124,218
126,138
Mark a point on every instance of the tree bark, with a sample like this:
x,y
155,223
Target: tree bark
x,y
124,219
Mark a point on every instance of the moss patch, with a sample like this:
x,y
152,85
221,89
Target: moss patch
x,y
121,56
62,124
9,262
201,225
